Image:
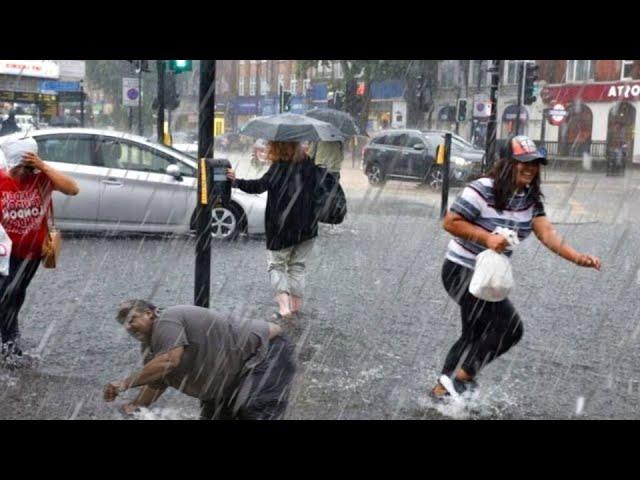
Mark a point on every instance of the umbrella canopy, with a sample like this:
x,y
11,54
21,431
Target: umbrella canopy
x,y
341,120
291,127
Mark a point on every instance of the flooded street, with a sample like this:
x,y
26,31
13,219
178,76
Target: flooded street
x,y
377,322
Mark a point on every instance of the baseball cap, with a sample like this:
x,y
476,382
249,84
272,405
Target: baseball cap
x,y
522,149
14,150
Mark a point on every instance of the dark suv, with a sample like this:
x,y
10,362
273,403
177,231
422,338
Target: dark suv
x,y
410,155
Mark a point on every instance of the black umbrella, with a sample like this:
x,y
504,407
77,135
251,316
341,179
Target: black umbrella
x,y
64,121
341,120
291,127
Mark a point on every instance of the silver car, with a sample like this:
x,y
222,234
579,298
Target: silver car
x,y
129,184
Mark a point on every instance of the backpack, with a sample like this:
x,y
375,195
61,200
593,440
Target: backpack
x,y
329,198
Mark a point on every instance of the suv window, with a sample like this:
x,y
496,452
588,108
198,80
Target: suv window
x,y
399,140
414,140
381,140
66,149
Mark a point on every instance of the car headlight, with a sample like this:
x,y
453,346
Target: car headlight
x,y
460,162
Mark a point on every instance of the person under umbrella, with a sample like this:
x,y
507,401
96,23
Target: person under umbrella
x,y
330,155
290,218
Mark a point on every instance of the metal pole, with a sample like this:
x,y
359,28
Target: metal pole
x,y
280,98
160,65
520,86
444,203
140,100
491,125
203,210
130,119
81,106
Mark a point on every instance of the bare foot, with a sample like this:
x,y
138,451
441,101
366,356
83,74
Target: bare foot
x,y
296,304
439,391
464,376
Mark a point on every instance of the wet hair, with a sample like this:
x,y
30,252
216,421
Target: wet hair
x,y
504,178
129,307
284,152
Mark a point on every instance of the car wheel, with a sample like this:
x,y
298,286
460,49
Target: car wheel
x,y
375,175
434,178
228,222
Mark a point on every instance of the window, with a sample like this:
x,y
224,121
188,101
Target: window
x,y
306,85
252,86
579,70
398,140
293,84
381,140
265,88
447,73
626,72
65,149
337,69
511,72
480,77
281,80
413,141
241,86
128,156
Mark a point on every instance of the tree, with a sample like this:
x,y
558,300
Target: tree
x,y
367,71
107,75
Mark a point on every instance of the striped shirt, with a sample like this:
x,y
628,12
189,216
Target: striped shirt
x,y
476,205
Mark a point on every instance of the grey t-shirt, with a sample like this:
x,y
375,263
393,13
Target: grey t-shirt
x,y
218,349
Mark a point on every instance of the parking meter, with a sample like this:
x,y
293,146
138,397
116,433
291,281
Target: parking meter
x,y
220,185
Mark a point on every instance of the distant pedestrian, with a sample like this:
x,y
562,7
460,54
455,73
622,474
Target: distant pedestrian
x,y
9,126
239,369
509,196
290,220
329,155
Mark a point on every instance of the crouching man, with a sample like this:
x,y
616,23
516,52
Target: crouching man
x,y
238,369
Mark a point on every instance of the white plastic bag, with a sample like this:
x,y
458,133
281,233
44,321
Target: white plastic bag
x,y
5,251
14,150
492,278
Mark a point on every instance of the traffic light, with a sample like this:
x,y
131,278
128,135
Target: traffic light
x,y
461,115
530,77
179,66
286,101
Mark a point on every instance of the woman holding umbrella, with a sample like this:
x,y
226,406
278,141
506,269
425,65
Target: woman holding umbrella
x,y
290,218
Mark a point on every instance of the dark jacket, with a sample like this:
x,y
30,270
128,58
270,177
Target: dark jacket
x,y
9,126
290,215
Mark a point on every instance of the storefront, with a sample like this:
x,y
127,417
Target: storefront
x,y
388,108
244,109
598,113
19,87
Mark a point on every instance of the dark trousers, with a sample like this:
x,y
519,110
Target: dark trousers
x,y
489,329
263,394
13,289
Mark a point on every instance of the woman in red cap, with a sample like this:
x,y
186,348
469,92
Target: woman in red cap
x,y
509,196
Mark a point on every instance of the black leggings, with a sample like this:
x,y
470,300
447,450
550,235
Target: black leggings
x,y
489,329
13,289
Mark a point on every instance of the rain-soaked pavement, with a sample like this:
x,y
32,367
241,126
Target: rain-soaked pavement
x,y
377,321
